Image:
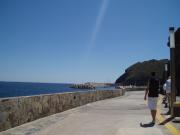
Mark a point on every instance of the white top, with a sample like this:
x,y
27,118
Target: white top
x,y
167,86
164,87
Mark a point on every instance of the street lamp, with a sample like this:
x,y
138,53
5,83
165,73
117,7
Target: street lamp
x,y
172,63
172,37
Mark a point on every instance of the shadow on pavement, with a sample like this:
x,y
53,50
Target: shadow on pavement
x,y
166,121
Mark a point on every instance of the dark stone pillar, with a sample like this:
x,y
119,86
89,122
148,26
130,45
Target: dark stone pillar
x,y
177,60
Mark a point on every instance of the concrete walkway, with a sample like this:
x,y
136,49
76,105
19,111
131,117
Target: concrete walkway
x,y
117,116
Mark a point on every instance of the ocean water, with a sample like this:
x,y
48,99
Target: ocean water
x,y
15,89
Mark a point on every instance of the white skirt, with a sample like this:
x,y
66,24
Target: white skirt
x,y
152,103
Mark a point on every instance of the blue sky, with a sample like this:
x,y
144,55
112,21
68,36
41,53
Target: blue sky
x,y
81,40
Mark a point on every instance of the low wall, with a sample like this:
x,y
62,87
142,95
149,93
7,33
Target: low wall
x,y
19,110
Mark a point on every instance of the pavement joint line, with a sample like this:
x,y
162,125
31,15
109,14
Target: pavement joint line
x,y
161,118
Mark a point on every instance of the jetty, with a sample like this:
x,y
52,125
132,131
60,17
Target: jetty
x,y
82,86
91,85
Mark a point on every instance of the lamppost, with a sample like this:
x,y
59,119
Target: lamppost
x,y
172,65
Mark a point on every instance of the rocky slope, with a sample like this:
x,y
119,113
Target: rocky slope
x,y
138,73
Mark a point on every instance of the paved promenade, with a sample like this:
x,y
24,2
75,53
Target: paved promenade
x,y
117,116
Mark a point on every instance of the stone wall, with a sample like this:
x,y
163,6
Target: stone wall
x,y
20,110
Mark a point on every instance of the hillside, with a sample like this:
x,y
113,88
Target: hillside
x,y
138,73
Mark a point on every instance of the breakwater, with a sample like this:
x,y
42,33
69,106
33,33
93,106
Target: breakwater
x,y
83,86
20,110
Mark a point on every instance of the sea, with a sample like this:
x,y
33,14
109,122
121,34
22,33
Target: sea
x,y
16,89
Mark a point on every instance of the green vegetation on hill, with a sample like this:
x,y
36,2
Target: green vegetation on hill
x,y
139,73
